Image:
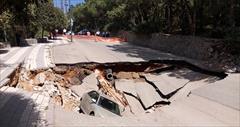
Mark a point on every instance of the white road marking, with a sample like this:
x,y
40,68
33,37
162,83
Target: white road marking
x,y
16,57
2,70
30,61
47,56
10,50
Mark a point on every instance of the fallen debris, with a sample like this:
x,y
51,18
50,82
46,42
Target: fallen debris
x,y
129,84
109,89
49,83
127,75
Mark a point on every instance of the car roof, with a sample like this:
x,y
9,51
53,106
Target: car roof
x,y
105,96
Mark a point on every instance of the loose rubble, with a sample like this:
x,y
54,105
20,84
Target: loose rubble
x,y
50,84
107,85
136,89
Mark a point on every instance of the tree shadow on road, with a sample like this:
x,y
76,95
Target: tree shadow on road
x,y
192,75
3,51
184,69
18,110
141,52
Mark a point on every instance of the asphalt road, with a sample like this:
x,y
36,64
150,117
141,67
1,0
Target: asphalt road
x,y
90,51
211,102
224,91
33,57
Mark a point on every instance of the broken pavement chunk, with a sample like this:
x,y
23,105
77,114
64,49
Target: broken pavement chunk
x,y
137,108
127,75
128,86
39,79
25,85
50,88
60,69
90,82
148,95
166,83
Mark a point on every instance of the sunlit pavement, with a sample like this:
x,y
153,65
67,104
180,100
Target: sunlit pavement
x,y
37,56
210,103
200,103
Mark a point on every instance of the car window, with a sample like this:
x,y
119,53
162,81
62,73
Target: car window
x,y
109,105
94,95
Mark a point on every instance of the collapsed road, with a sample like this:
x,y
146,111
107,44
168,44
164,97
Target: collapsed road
x,y
66,83
159,92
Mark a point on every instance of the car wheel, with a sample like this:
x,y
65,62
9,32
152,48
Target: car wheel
x,y
92,114
80,110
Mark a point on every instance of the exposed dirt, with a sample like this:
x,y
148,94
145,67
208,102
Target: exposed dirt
x,y
225,55
56,82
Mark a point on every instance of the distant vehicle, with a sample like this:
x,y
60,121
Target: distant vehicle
x,y
97,104
105,34
98,33
69,33
83,32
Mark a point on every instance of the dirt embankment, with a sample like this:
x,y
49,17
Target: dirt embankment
x,y
215,53
125,82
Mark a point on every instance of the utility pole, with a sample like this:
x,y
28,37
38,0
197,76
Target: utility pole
x,y
71,21
71,24
66,5
62,6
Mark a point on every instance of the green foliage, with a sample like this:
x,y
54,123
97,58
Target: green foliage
x,y
39,33
50,18
5,21
27,17
214,18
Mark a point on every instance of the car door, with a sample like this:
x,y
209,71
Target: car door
x,y
92,100
84,102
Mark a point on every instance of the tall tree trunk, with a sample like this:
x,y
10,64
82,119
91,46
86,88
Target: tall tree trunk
x,y
190,18
194,17
42,32
183,18
231,13
186,18
5,35
199,14
169,15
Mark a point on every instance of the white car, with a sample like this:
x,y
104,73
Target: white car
x,y
69,33
97,104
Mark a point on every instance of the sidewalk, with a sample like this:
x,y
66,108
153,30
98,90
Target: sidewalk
x,y
19,108
37,56
11,60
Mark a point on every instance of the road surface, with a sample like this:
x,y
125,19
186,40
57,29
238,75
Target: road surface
x,y
91,51
211,102
37,56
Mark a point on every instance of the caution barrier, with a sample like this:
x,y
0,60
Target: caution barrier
x,y
110,39
98,39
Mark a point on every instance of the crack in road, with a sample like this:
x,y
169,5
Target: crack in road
x,y
66,75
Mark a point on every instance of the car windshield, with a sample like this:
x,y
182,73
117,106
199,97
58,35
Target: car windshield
x,y
94,95
109,105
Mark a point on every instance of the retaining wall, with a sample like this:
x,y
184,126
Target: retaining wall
x,y
187,46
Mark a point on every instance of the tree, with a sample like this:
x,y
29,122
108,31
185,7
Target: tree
x,y
214,18
5,21
22,14
50,18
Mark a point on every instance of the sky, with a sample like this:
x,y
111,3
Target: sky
x,y
58,3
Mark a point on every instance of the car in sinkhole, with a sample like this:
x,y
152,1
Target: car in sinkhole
x,y
95,103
